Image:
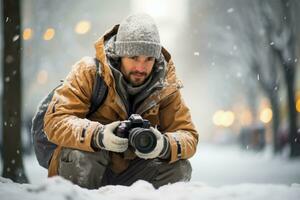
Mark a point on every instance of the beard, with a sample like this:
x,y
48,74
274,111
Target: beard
x,y
136,78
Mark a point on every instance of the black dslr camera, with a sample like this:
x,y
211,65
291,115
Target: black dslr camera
x,y
136,129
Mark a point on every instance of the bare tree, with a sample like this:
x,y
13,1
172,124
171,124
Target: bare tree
x,y
245,32
280,23
12,98
257,54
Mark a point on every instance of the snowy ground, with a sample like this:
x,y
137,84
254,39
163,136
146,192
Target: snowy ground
x,y
221,165
218,173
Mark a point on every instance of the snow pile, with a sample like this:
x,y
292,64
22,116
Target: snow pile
x,y
59,189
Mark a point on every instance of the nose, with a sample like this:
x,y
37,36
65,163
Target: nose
x,y
140,66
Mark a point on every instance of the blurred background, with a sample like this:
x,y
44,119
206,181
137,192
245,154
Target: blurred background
x,y
238,61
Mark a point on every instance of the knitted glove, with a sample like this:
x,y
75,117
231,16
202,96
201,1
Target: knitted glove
x,y
162,149
107,140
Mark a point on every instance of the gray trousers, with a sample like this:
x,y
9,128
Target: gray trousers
x,y
92,170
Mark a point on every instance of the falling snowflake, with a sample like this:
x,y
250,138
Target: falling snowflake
x,y
15,38
230,10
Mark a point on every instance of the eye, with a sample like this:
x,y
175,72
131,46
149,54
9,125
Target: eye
x,y
150,59
133,58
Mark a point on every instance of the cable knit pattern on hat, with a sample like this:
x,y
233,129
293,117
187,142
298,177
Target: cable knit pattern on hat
x,y
138,35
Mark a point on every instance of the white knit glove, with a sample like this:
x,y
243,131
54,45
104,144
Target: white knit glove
x,y
106,139
162,147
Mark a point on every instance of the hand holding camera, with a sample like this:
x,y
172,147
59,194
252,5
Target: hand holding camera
x,y
146,141
161,143
107,140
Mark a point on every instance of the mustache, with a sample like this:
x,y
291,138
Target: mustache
x,y
137,72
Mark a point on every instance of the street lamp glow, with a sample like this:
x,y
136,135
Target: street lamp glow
x,y
217,118
266,115
228,118
49,34
223,118
156,8
298,105
82,27
27,34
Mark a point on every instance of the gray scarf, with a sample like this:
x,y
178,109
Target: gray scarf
x,y
125,89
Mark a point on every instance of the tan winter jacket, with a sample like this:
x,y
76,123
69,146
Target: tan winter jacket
x,y
66,125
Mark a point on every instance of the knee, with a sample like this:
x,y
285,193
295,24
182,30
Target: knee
x,y
72,156
70,162
179,171
183,170
83,158
85,169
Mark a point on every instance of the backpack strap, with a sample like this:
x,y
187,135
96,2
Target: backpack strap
x,y
99,91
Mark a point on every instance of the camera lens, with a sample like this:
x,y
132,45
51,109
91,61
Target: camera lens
x,y
142,139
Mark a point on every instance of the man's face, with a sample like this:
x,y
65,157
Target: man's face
x,y
137,69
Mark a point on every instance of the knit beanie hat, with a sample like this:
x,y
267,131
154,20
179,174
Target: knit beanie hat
x,y
138,35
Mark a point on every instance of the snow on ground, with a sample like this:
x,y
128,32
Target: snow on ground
x,y
60,189
222,165
218,173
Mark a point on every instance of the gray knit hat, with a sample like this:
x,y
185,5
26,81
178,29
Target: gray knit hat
x,y
138,35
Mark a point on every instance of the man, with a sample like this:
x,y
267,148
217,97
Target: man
x,y
141,80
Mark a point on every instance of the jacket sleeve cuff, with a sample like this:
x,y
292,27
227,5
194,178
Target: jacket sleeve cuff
x,y
175,147
86,142
96,142
166,152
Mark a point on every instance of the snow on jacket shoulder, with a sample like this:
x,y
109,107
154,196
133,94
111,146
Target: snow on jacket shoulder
x,y
65,123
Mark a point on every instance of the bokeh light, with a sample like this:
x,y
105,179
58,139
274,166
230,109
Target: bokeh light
x,y
82,27
27,34
266,115
49,34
